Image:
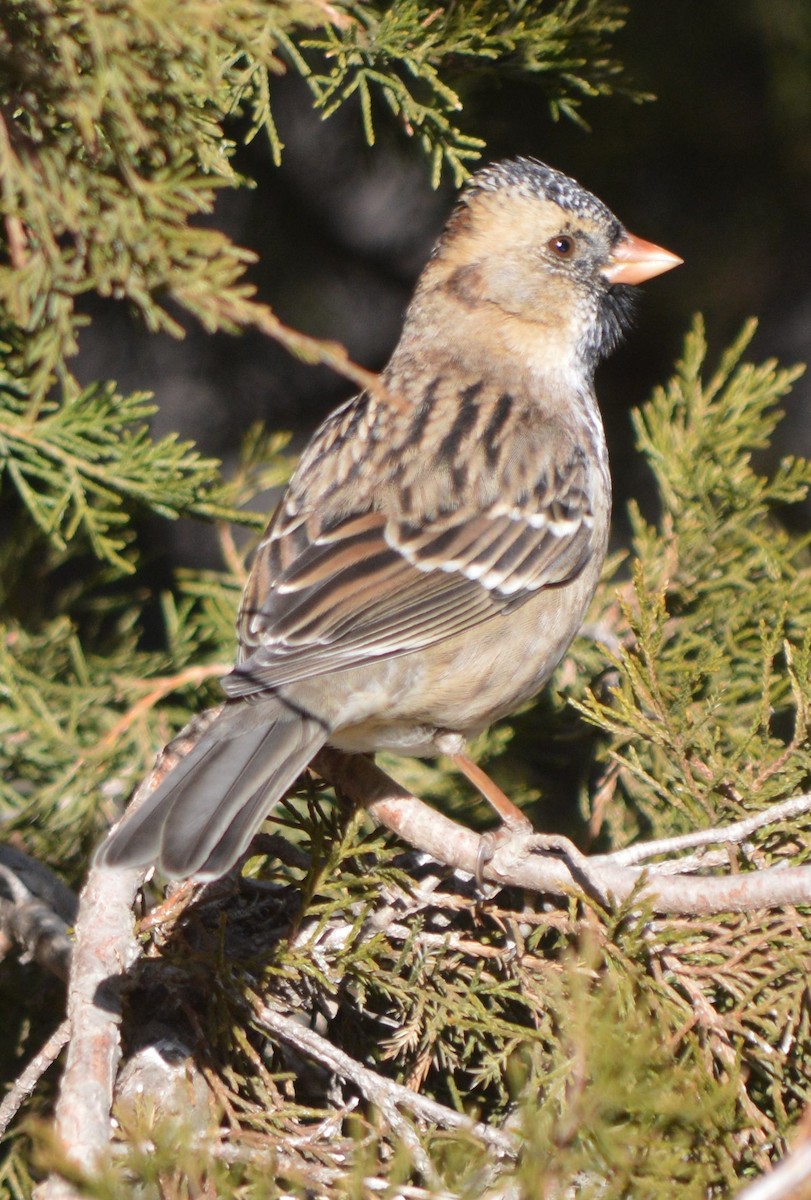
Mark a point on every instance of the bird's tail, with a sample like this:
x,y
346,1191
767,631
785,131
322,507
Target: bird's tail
x,y
205,812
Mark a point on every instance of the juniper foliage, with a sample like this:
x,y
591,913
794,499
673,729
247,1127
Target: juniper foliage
x,y
626,1054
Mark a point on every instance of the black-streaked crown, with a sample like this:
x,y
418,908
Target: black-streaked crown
x,y
534,179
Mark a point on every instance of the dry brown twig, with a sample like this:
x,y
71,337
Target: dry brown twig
x,y
158,690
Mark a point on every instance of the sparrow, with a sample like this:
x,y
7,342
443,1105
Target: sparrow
x,y
436,548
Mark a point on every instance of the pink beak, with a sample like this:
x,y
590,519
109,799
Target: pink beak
x,y
634,260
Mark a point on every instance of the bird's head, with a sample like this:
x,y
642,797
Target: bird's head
x,y
528,242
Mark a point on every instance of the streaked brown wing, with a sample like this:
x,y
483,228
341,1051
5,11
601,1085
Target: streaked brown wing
x,y
330,594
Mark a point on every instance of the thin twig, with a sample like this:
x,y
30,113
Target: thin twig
x,y
315,1047
317,1174
578,863
737,832
17,241
25,1083
239,311
234,561
690,864
387,1095
158,689
714,1029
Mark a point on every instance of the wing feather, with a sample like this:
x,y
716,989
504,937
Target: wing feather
x,y
371,574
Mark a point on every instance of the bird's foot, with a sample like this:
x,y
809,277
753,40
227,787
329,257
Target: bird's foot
x,y
579,864
516,827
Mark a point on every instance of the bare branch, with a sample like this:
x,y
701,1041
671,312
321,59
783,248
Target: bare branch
x,y
25,1083
387,1095
727,834
105,948
516,863
790,1179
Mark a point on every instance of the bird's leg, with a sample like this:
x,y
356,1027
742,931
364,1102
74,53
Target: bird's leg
x,y
515,824
510,814
513,821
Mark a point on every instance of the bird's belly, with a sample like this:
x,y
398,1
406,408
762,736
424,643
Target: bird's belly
x,y
422,705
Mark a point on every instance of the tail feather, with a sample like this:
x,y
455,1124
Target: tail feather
x,y
205,812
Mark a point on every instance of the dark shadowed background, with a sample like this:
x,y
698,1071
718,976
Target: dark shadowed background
x,y
717,168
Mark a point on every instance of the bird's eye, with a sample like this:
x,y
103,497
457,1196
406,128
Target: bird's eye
x,y
562,246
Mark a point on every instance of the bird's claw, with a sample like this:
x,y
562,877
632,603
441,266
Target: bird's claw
x,y
494,839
